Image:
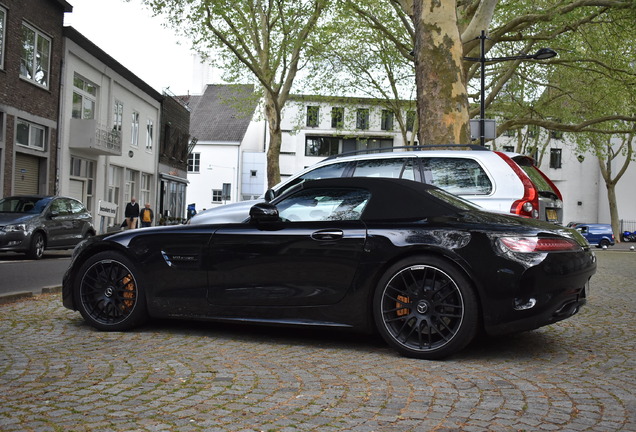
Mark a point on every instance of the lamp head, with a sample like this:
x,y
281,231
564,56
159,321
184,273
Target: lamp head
x,y
544,54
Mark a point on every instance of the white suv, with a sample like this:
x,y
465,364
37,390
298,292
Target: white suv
x,y
496,181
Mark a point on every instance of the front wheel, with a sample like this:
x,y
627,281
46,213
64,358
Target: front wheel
x,y
36,248
425,308
109,292
604,243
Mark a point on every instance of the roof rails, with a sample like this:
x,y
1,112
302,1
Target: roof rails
x,y
411,148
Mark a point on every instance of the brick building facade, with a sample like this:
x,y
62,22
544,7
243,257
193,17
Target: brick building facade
x,y
31,51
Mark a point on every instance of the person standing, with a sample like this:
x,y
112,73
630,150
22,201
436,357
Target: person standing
x,y
132,213
146,215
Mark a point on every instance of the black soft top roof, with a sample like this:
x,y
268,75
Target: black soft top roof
x,y
391,199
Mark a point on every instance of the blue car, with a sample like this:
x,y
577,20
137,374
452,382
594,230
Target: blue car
x,y
598,235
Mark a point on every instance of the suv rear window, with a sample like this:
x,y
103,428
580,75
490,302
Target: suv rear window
x,y
456,175
539,180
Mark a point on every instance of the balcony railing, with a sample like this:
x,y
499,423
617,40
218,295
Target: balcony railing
x,y
90,136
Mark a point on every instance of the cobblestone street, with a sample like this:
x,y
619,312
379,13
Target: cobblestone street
x,y
58,374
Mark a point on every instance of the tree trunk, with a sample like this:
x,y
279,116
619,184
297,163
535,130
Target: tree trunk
x,y
442,99
273,116
613,208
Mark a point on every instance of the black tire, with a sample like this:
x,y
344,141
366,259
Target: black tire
x,y
36,248
425,308
109,292
603,242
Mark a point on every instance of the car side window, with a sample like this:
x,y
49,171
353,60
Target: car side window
x,y
457,175
60,207
327,171
76,207
390,167
324,205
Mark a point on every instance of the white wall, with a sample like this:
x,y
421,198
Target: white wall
x,y
218,165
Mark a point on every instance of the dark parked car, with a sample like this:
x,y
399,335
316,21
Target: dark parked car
x,y
598,235
32,223
423,267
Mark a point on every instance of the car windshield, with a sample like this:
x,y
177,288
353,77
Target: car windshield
x,y
33,205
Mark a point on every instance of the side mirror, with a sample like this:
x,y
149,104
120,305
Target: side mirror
x,y
270,195
264,212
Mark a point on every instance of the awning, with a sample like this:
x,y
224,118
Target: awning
x,y
174,178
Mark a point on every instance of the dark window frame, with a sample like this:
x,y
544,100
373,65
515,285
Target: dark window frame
x,y
313,116
362,118
556,158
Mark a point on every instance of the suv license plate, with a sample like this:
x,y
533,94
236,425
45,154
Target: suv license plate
x,y
551,215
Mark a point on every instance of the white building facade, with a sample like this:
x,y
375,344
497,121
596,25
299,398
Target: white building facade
x,y
109,128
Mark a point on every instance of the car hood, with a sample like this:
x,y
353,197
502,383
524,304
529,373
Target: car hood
x,y
15,218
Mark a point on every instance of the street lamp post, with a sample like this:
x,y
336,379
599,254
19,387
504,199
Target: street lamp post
x,y
542,54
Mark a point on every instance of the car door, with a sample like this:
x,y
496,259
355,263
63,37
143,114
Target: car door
x,y
59,223
309,257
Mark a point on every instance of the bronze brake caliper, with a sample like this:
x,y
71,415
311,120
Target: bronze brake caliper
x,y
129,292
402,305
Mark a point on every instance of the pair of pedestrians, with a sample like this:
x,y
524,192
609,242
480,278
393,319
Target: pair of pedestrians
x,y
133,214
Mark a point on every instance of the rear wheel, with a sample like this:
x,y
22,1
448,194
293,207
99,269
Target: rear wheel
x,y
36,248
109,294
604,243
425,308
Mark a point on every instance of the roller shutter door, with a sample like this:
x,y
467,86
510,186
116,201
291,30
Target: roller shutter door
x,y
27,173
76,189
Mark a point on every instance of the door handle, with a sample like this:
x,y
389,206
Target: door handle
x,y
327,235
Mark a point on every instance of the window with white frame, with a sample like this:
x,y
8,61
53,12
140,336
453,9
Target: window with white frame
x,y
144,189
114,183
194,162
35,60
149,138
30,135
84,97
84,169
134,129
130,187
3,26
118,115
217,195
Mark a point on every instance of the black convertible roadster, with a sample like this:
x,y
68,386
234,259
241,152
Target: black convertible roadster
x,y
424,268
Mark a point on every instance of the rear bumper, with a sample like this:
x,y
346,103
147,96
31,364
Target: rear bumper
x,y
548,311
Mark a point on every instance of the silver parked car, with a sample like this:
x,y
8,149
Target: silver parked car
x,y
496,181
33,223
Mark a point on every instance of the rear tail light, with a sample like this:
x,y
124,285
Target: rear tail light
x,y
528,205
537,244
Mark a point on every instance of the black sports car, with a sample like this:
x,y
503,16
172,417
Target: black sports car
x,y
423,267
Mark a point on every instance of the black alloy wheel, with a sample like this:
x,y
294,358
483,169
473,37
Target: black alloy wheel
x,y
425,308
108,293
36,248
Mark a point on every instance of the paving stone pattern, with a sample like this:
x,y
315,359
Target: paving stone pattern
x,y
57,374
